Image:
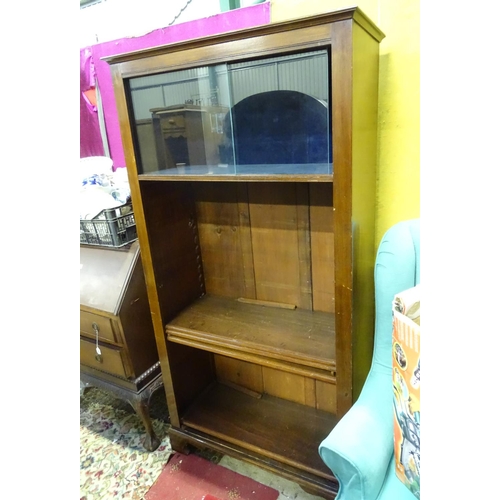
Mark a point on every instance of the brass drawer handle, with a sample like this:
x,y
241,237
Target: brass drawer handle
x,y
98,355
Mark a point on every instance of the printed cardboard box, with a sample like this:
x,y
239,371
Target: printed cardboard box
x,y
406,386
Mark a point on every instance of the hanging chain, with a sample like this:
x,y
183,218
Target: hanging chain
x,y
180,12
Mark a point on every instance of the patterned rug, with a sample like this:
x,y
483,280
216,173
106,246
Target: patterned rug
x,y
115,466
113,462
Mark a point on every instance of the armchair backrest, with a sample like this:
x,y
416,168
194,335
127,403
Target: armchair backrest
x,y
397,268
360,448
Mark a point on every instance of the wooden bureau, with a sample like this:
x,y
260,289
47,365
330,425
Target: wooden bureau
x,y
188,134
117,346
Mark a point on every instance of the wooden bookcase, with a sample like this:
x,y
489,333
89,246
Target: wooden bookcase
x,y
260,278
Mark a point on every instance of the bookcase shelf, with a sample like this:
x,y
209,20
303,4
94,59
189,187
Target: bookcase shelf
x,y
222,412
298,341
243,173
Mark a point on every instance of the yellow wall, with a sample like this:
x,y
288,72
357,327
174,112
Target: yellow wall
x,y
398,176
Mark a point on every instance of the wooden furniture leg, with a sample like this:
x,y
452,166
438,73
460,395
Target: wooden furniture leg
x,y
140,404
138,399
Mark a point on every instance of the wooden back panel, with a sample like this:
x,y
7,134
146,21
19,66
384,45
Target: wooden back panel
x,y
266,240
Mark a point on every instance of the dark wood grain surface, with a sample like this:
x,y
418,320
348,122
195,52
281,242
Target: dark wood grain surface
x,y
302,336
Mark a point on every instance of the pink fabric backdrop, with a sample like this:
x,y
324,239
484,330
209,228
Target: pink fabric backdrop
x,y
90,135
232,20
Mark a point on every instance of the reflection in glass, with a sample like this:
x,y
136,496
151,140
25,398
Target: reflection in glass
x,y
266,116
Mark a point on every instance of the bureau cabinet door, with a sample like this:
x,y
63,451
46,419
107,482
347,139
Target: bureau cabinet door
x,y
111,360
105,326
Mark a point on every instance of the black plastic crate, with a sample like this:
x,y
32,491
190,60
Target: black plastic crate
x,y
113,227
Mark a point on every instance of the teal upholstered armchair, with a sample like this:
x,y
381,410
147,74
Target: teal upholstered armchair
x,y
360,449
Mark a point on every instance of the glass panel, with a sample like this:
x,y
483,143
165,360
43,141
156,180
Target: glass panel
x,y
261,117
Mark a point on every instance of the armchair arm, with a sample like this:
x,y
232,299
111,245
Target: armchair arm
x,y
359,448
